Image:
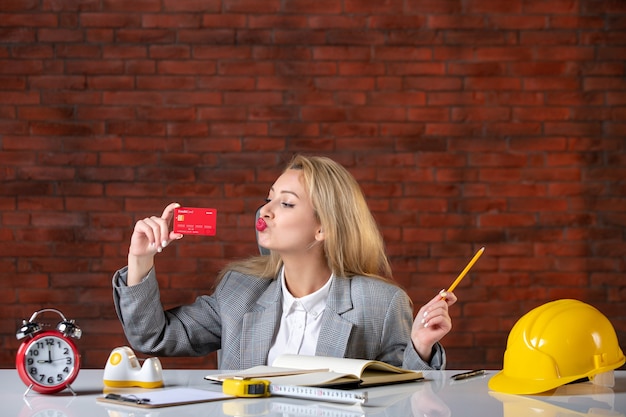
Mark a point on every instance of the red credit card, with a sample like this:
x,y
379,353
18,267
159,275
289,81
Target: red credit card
x,y
195,221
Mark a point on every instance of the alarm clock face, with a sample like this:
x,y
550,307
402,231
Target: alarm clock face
x,y
48,361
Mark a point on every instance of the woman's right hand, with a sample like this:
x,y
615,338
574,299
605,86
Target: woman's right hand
x,y
149,237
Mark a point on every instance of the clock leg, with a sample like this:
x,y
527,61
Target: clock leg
x,y
69,387
28,390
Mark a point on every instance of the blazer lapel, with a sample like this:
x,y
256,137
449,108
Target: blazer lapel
x,y
335,331
259,326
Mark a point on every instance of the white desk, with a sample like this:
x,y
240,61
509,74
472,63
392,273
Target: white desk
x,y
437,396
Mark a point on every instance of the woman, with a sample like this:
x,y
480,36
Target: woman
x,y
325,289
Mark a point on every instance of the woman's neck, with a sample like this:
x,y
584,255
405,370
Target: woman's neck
x,y
304,277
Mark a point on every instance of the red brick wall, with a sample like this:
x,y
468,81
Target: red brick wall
x,y
467,122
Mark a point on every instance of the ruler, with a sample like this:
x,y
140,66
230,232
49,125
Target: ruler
x,y
320,394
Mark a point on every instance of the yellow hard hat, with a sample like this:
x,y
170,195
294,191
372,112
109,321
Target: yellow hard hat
x,y
554,344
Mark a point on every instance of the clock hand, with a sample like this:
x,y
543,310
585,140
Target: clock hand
x,y
49,358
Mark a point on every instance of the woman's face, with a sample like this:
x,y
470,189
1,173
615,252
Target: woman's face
x,y
291,222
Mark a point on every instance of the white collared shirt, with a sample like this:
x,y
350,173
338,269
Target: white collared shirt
x,y
300,322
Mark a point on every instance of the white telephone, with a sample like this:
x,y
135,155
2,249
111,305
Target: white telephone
x,y
123,370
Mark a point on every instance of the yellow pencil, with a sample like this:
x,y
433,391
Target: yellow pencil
x,y
464,272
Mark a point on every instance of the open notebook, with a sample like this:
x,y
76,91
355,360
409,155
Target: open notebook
x,y
321,371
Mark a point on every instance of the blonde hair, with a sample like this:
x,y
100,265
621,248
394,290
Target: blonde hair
x,y
353,244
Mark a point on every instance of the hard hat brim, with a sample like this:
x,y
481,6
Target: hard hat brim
x,y
501,382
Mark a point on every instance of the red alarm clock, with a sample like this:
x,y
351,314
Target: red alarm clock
x,y
48,361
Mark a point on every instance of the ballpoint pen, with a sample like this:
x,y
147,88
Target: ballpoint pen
x,y
469,374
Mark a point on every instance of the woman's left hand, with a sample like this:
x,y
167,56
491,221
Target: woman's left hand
x,y
431,324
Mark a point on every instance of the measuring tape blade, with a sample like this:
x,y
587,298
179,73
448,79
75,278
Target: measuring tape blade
x,y
321,394
248,388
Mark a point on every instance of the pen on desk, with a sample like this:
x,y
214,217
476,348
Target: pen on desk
x,y
129,399
469,374
464,272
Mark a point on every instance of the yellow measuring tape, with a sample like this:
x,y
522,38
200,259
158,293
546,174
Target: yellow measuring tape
x,y
251,388
246,387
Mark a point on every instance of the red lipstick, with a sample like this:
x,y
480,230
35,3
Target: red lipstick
x,y
261,225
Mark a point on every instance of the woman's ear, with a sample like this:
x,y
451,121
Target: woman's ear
x,y
319,235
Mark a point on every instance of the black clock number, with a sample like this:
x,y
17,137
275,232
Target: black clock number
x,y
46,347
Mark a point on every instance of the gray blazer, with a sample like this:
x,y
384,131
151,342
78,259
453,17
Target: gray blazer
x,y
364,318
